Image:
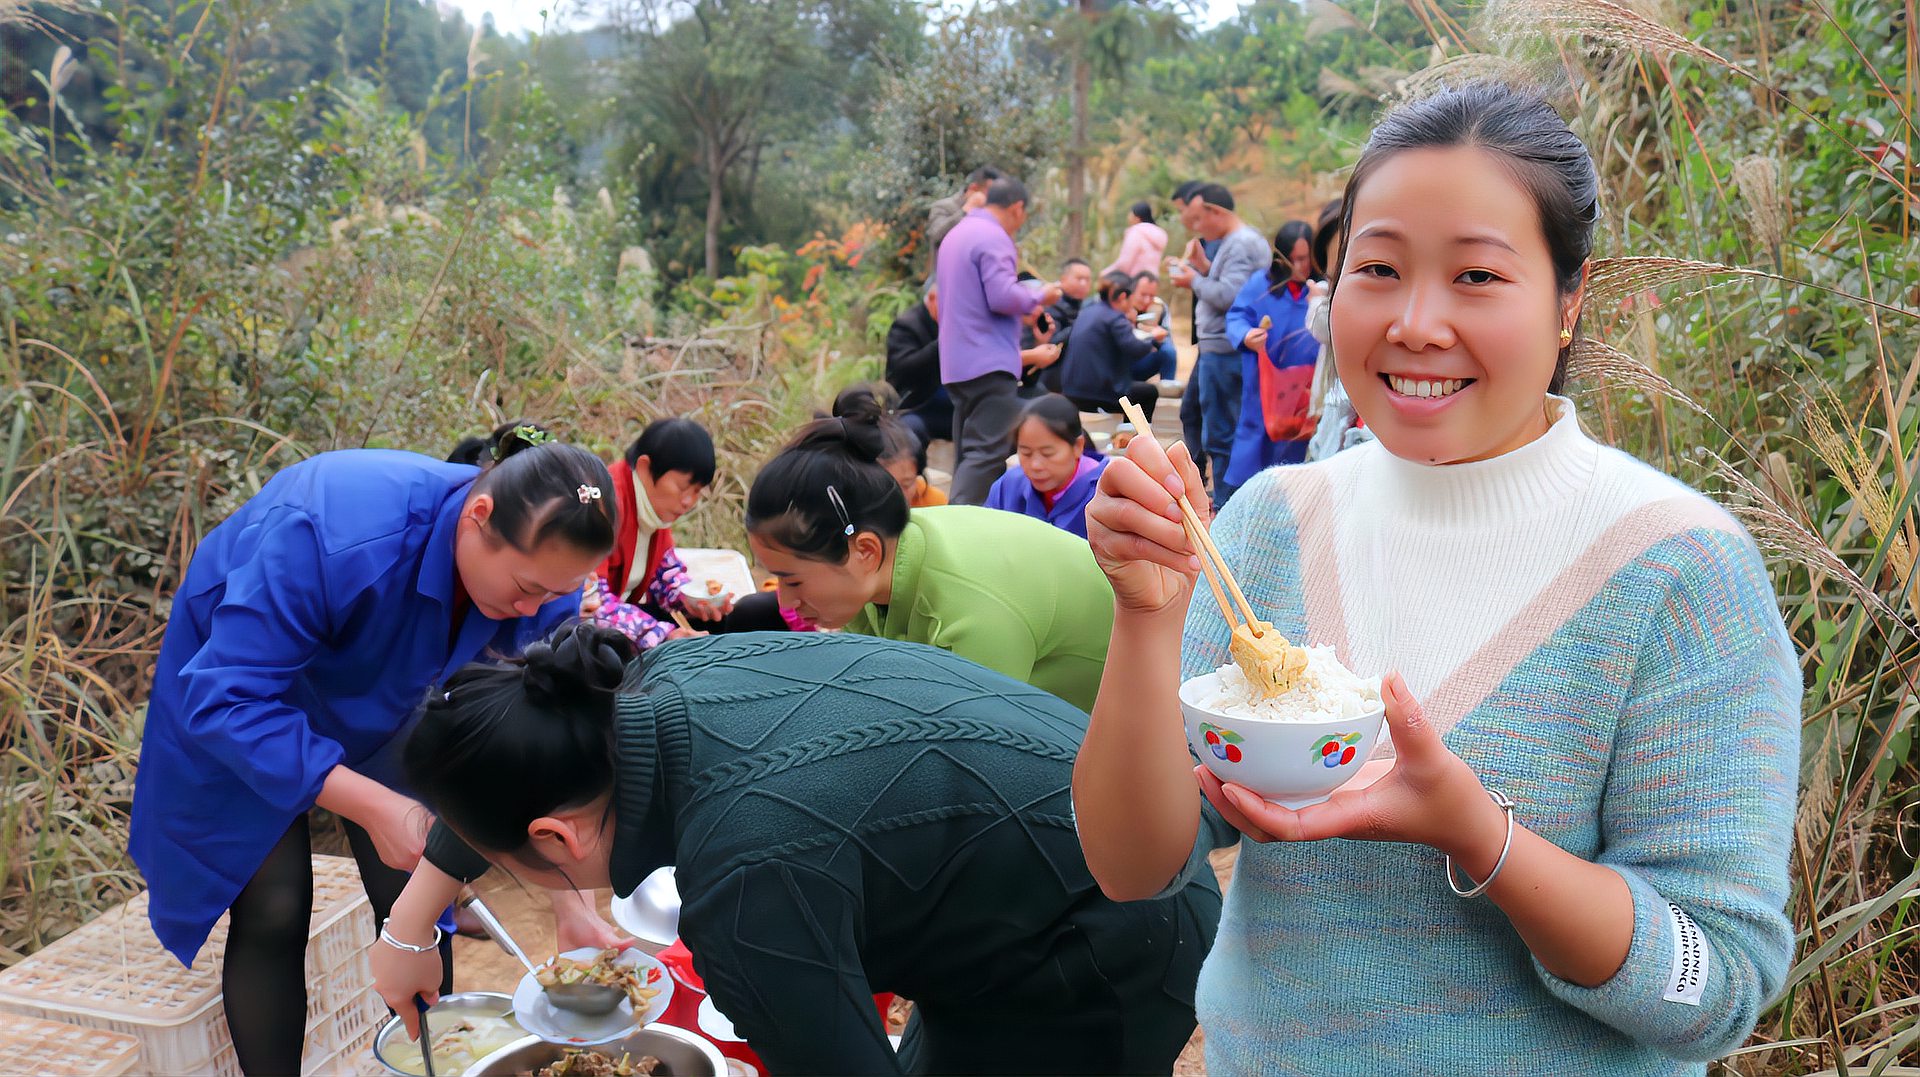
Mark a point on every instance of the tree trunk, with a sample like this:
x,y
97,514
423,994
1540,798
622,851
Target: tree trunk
x,y
716,177
1074,241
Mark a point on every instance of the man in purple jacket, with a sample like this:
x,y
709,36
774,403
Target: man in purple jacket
x,y
981,306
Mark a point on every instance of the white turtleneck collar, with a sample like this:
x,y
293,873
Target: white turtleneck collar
x,y
1520,483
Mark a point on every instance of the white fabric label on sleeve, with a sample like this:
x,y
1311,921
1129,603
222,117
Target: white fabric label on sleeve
x,y
1688,977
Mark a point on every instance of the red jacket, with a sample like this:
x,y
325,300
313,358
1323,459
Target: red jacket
x,y
619,563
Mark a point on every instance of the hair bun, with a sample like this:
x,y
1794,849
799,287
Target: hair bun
x,y
519,435
858,435
580,657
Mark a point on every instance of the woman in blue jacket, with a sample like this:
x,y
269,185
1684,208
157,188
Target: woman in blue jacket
x,y
1276,360
1058,469
305,635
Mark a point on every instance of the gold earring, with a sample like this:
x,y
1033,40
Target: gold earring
x,y
1566,337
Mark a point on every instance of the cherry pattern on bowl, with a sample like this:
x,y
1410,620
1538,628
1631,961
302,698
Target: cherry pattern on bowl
x,y
1336,750
1223,742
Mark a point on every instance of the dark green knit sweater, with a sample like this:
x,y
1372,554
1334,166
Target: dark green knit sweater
x,y
852,815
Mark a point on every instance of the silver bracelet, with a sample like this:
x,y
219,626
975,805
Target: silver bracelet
x,y
1507,806
387,937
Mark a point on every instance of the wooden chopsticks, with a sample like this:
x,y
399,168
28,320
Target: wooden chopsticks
x,y
1212,565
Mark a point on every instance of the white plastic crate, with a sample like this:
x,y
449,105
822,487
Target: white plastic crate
x,y
30,1045
113,975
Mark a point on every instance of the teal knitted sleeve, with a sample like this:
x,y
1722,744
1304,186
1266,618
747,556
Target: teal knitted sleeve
x,y
1699,806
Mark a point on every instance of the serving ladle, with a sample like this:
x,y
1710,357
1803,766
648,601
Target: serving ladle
x,y
587,1000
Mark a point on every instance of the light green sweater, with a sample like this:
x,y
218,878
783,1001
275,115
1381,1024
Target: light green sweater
x,y
1012,593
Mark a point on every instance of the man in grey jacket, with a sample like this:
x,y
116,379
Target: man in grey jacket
x,y
1215,282
944,214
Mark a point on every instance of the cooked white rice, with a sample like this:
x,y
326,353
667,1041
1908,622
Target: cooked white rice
x,y
1326,692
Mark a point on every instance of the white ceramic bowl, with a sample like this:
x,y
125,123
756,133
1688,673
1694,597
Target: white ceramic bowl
x,y
1292,764
652,912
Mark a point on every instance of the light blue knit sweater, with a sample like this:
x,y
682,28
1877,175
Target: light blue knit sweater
x,y
1651,725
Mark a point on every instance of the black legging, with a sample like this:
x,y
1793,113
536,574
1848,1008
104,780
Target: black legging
x,y
264,978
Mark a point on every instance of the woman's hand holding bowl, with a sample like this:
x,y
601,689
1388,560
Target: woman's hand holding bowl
x,y
1425,795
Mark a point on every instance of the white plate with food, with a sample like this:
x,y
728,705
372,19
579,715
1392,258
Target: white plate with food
x,y
707,590
648,988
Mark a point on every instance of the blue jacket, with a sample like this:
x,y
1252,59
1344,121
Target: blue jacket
x,y
1014,492
1100,354
1292,351
305,635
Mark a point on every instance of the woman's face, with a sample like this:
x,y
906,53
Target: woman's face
x,y
504,582
1447,320
672,495
1300,258
905,471
829,595
1048,460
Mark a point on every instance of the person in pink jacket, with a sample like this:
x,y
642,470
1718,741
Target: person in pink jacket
x,y
1141,246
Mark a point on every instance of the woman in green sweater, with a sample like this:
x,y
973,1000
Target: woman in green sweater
x,y
847,815
1010,592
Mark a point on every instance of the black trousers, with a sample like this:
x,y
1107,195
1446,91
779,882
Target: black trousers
x,y
264,977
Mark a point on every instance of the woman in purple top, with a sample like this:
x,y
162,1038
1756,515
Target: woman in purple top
x,y
1058,469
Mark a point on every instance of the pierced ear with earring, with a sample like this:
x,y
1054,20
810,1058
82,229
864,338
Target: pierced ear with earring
x,y
1566,337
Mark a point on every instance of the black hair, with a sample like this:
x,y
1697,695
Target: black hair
x,y
1185,190
1071,262
471,451
675,445
1006,191
879,403
543,490
826,486
1214,194
1324,233
1281,270
1059,415
1143,276
1143,211
1116,284
983,174
507,438
504,745
1547,159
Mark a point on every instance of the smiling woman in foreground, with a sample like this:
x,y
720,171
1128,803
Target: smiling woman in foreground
x,y
1573,631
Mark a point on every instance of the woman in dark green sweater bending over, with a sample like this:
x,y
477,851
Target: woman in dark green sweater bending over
x,y
847,815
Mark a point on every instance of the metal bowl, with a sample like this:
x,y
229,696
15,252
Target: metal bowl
x,y
461,1004
652,911
681,1054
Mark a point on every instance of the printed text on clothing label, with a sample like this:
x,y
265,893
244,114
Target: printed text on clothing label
x,y
1689,975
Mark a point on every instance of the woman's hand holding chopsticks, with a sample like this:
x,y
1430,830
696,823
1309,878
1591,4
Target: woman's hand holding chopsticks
x,y
1136,527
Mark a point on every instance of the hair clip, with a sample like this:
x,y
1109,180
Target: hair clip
x,y
840,507
588,494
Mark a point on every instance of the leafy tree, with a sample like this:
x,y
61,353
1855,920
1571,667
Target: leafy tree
x,y
976,99
718,83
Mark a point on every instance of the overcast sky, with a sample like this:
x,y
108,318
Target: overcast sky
x,y
522,16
